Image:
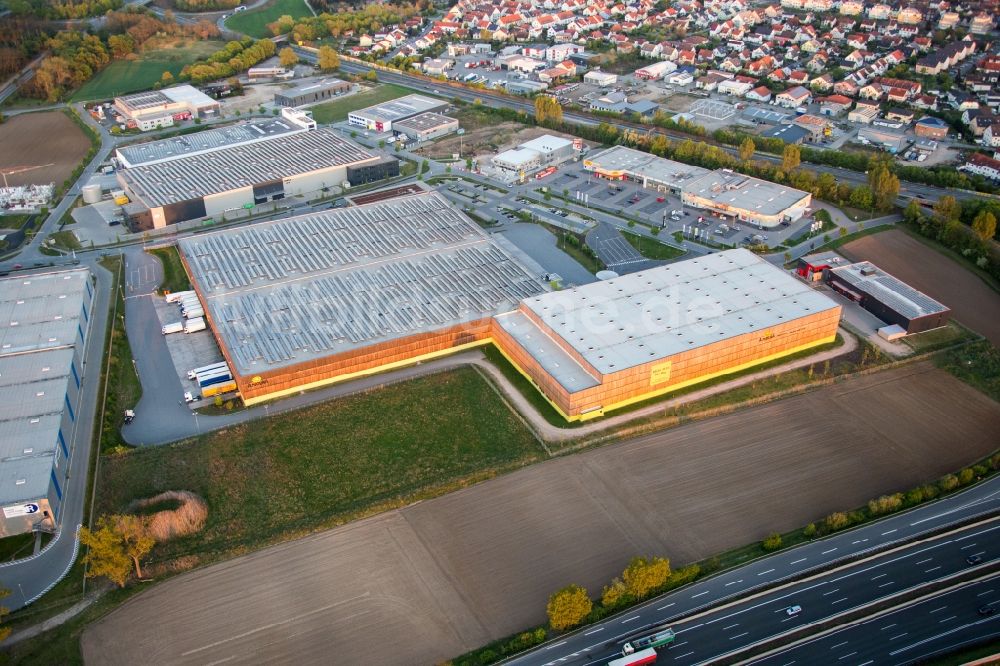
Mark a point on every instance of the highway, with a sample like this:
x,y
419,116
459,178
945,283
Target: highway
x,y
493,99
909,633
707,636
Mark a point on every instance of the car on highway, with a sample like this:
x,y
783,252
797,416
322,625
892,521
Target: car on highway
x,y
986,610
792,611
974,559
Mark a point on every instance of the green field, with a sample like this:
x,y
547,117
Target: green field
x,y
254,22
273,479
126,76
651,248
174,276
337,110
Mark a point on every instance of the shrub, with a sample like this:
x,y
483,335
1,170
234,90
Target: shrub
x,y
885,504
568,607
914,496
948,482
643,575
836,521
614,594
189,516
995,461
772,542
810,531
856,517
980,470
930,492
966,476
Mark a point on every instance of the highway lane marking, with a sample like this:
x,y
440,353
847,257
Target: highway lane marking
x,y
765,572
899,636
700,594
594,631
745,633
886,584
734,582
221,661
826,552
556,645
931,569
834,647
272,625
677,645
847,655
797,561
879,576
948,619
837,589
634,617
731,626
667,606
854,543
838,601
888,627
870,661
983,594
939,609
971,545
929,559
890,531
686,654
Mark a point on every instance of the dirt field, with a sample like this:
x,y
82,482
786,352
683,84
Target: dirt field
x,y
679,103
37,139
972,302
446,575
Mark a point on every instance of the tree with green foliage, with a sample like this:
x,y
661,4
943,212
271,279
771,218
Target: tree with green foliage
x,y
985,225
747,149
4,611
884,185
861,197
328,59
947,209
370,75
643,575
287,57
547,108
116,546
772,542
568,607
791,157
913,213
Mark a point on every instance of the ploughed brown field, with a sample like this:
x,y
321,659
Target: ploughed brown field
x,y
38,139
971,300
435,579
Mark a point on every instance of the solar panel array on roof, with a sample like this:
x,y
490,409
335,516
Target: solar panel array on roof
x,y
901,297
302,288
210,139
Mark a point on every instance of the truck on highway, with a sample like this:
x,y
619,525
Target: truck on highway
x,y
218,389
179,296
647,656
221,365
173,327
659,639
217,377
194,325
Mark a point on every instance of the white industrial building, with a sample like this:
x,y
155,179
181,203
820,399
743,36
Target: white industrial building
x,y
160,108
530,156
45,326
380,117
599,78
656,71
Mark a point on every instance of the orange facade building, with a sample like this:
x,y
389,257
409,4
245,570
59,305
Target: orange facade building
x,y
315,299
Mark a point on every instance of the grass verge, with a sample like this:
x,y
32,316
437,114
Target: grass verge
x,y
254,22
175,278
337,110
976,364
124,389
652,248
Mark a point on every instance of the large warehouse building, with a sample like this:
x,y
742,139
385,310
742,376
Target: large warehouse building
x,y
743,198
538,153
43,336
208,183
312,92
888,298
330,296
380,117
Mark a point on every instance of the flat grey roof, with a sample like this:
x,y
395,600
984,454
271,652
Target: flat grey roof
x,y
293,290
901,297
195,176
740,192
314,86
176,94
206,140
653,314
39,316
425,121
553,358
400,108
658,169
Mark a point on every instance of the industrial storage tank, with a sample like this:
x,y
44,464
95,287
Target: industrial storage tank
x,y
91,193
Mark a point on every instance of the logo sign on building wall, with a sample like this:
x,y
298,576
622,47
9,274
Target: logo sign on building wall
x,y
659,373
19,510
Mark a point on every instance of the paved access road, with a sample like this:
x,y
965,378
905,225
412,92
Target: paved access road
x,y
596,642
909,634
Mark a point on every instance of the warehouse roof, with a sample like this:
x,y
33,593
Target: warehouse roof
x,y
206,140
516,156
195,176
901,297
644,165
293,290
39,318
176,94
547,143
653,314
728,189
403,107
425,121
314,86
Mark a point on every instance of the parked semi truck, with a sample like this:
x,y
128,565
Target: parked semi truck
x,y
218,389
647,656
173,327
194,325
217,377
194,313
221,365
178,296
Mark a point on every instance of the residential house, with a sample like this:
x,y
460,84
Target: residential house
x,y
759,94
793,97
982,165
834,105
